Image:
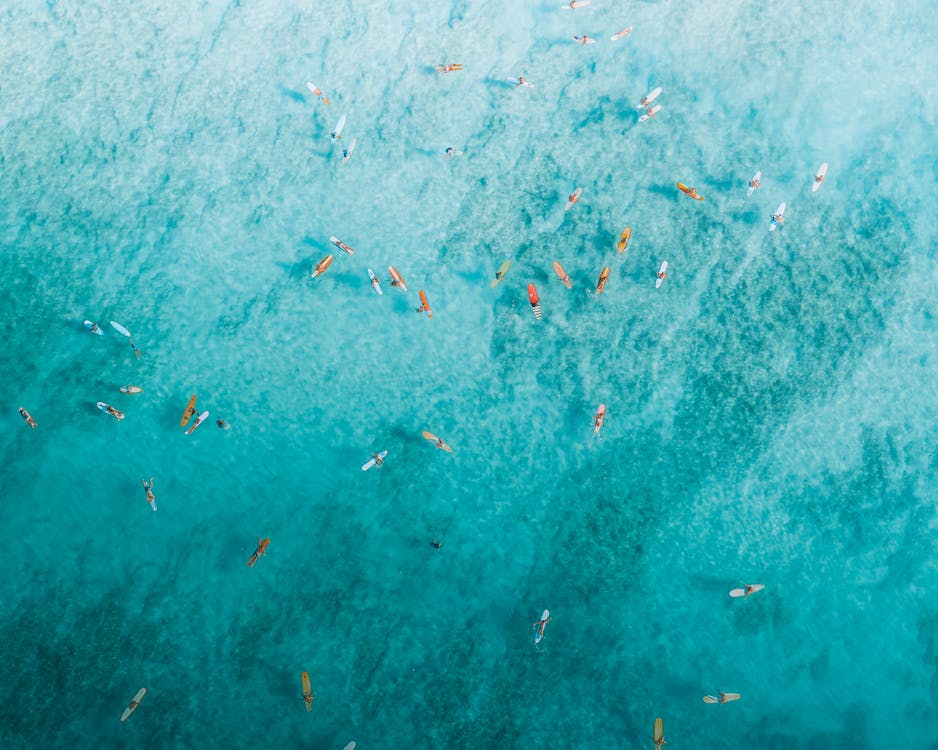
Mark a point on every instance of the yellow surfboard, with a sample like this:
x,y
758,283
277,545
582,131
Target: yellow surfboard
x,y
623,244
187,414
659,733
307,692
500,274
439,442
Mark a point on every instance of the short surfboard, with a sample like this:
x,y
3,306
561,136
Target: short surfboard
x,y
424,305
500,274
375,284
576,4
599,418
689,191
574,197
819,177
650,113
339,127
396,279
649,98
349,746
603,278
133,704
559,270
736,593
201,418
623,244
535,301
779,212
322,265
618,35
28,418
94,328
338,243
754,183
662,271
371,462
116,413
187,414
131,389
438,442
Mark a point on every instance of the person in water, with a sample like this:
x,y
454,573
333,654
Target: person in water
x,y
661,275
94,328
148,488
435,544
222,424
451,152
522,81
378,460
778,219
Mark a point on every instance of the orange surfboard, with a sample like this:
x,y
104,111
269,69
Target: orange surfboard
x,y
623,244
563,275
603,278
187,414
439,442
322,265
424,305
307,691
535,301
692,192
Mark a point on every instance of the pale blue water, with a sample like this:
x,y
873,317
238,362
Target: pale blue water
x,y
771,409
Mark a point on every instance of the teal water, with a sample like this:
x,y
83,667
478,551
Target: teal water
x,y
771,409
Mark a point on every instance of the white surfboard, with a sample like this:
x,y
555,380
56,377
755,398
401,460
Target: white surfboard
x,y
349,746
662,270
575,4
372,462
202,417
819,177
572,200
736,593
337,132
650,113
625,32
752,187
648,98
375,284
583,39
519,82
347,153
780,211
134,703
120,329
94,328
537,628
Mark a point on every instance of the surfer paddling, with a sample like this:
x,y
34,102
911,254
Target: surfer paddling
x,y
540,625
778,218
662,275
317,92
451,152
27,418
449,68
583,39
261,550
724,698
148,488
754,184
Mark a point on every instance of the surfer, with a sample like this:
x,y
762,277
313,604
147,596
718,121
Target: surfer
x,y
435,544
750,590
540,625
661,275
778,218
113,412
451,67
423,308
148,488
522,81
451,152
378,459
95,329
754,184
27,417
222,424
316,91
573,198
583,39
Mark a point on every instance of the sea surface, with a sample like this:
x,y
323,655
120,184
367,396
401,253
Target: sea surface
x,y
771,409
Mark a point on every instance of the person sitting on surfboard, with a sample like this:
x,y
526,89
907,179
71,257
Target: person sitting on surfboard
x,y
540,625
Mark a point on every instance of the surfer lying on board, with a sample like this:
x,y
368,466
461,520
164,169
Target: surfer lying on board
x,y
778,218
661,275
540,625
583,39
377,459
451,152
148,488
754,184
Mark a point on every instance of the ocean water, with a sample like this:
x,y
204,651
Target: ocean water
x,y
771,408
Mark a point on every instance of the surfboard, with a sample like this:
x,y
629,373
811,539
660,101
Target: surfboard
x,y
710,699
94,328
599,418
583,39
559,270
372,462
519,82
396,279
339,126
659,732
349,746
661,274
131,389
736,593
729,697
438,442
618,35
689,191
27,417
623,244
116,413
187,414
574,197
307,691
650,113
120,329
316,91
449,68
649,98
261,550
603,278
538,628
500,274
322,265
375,284
575,4
535,301
347,153
753,187
424,305
780,212
819,177
133,704
201,418
338,243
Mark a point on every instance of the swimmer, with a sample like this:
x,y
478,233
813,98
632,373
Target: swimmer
x,y
583,39
435,544
133,346
148,487
27,418
221,424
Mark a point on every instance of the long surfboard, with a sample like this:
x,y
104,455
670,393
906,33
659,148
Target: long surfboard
x,y
603,278
500,274
134,703
307,691
662,274
437,441
559,270
623,244
619,34
187,414
396,279
736,593
649,98
780,213
375,284
659,732
373,462
201,418
754,183
540,625
120,329
339,127
574,197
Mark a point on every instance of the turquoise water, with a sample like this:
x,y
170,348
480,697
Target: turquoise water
x,y
771,409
